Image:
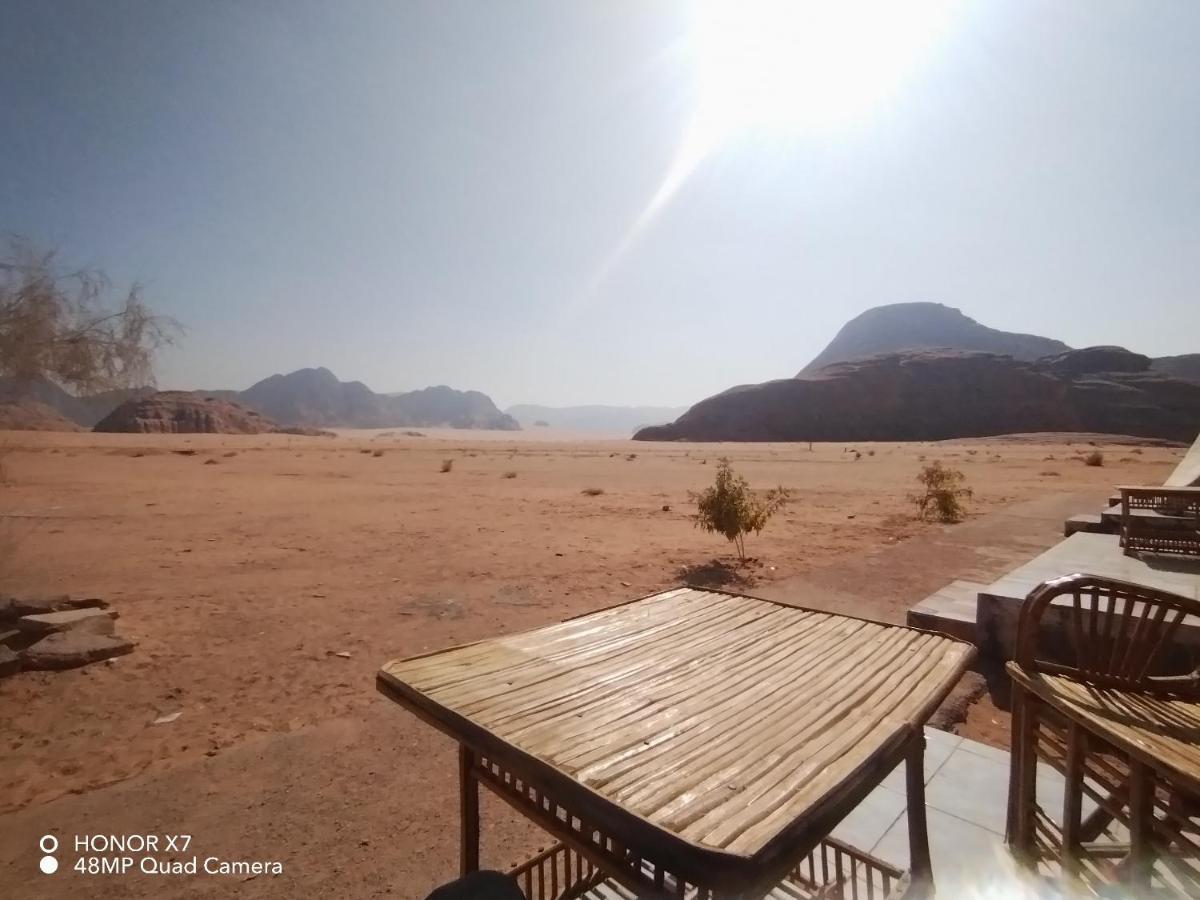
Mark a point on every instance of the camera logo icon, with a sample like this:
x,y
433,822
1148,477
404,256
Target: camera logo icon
x,y
48,844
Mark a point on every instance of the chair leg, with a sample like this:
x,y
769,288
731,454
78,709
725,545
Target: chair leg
x,y
1023,790
1073,799
1141,826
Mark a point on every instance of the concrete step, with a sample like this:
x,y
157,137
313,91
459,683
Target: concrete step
x,y
950,610
1093,524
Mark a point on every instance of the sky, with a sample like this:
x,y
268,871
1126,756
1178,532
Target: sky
x,y
605,202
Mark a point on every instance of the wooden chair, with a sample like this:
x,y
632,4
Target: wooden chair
x,y
1105,692
1161,520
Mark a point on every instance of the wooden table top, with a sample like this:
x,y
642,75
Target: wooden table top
x,y
721,720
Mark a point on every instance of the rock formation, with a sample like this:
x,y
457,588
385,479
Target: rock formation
x,y
935,395
181,412
926,326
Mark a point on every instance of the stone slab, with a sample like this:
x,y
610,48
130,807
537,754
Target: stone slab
x,y
10,663
14,607
96,620
949,610
69,649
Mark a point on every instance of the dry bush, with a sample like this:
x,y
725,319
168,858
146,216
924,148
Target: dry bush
x,y
1137,450
1049,473
1095,458
447,465
944,493
732,509
364,449
377,453
229,453
509,475
631,457
592,491
64,325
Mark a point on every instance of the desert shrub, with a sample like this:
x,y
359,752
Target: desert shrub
x,y
944,493
631,457
732,509
592,491
1137,450
509,475
1095,458
870,453
1049,473
377,453
364,449
447,465
229,453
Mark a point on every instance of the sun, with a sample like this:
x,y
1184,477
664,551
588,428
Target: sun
x,y
794,67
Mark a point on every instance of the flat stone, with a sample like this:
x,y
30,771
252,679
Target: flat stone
x,y
8,637
68,649
99,621
15,607
10,663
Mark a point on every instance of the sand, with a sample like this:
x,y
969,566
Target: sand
x,y
242,565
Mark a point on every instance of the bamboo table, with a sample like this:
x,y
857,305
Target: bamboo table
x,y
692,742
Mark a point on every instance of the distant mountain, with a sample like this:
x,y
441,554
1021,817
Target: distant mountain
x,y
623,420
926,395
24,414
316,397
86,411
306,397
926,326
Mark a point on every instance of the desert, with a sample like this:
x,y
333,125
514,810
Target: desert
x,y
247,569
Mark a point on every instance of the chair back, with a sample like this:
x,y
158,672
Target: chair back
x,y
1109,633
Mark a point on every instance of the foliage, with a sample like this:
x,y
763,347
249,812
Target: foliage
x,y
731,508
447,465
944,494
1095,458
509,475
592,491
62,325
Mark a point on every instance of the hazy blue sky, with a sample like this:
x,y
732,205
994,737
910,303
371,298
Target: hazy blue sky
x,y
443,192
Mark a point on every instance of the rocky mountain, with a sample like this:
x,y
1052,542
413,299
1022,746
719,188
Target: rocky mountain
x,y
441,405
317,397
611,420
1185,366
86,411
935,395
30,415
183,412
304,398
926,326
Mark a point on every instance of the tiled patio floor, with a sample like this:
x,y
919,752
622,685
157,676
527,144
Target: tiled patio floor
x,y
966,789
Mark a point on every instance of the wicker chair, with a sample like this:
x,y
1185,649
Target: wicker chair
x,y
1105,692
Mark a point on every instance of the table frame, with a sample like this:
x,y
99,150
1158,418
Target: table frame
x,y
641,855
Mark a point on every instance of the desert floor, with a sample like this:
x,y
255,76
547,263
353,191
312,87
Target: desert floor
x,y
243,565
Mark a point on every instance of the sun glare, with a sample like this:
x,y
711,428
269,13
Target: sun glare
x,y
785,69
789,67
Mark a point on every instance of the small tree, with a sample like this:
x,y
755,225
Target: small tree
x,y
944,494
62,325
731,508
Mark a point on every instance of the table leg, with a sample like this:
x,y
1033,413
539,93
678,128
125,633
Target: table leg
x,y
918,829
468,786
